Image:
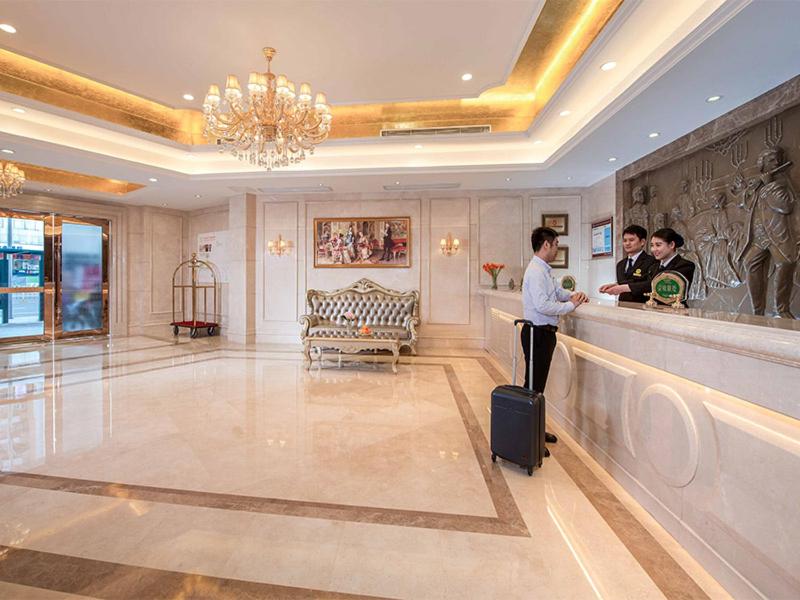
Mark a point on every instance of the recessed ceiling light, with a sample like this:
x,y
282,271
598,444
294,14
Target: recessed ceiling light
x,y
48,190
198,195
163,205
538,142
321,185
564,113
8,28
508,178
713,98
19,110
608,66
466,77
153,179
397,183
654,134
418,146
569,178
188,97
7,151
612,159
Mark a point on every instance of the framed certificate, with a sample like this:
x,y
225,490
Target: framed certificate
x,y
603,238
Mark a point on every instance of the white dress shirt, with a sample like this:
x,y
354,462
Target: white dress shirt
x,y
664,263
632,260
543,300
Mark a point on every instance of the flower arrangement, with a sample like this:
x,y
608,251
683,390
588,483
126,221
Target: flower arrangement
x,y
493,269
365,331
350,317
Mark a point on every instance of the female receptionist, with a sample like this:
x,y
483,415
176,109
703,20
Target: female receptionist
x,y
664,245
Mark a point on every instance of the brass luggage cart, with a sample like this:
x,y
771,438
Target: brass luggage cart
x,y
208,319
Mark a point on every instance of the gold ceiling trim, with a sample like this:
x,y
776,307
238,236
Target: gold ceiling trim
x,y
89,183
562,33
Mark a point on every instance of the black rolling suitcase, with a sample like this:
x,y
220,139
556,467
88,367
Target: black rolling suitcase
x,y
518,419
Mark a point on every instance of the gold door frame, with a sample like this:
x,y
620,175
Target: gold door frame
x,y
48,288
52,300
58,322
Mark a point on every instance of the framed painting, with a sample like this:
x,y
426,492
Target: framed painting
x,y
557,222
602,238
562,258
362,242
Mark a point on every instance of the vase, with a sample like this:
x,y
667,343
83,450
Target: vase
x,y
494,280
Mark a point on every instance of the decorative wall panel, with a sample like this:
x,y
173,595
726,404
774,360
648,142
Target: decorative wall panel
x,y
735,202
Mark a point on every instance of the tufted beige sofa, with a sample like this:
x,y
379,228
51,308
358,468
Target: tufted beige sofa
x,y
387,312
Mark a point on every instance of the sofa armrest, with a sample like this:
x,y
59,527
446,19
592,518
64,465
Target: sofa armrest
x,y
307,322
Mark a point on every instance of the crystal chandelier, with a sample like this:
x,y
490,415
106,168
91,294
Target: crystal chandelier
x,y
11,180
274,126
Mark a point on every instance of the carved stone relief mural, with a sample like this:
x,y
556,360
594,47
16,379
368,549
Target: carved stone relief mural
x,y
735,202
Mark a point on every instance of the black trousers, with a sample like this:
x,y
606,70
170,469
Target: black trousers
x,y
544,343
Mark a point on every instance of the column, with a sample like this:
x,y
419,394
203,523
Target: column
x,y
242,269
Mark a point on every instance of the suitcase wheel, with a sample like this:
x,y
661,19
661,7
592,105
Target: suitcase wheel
x,y
546,452
494,457
530,470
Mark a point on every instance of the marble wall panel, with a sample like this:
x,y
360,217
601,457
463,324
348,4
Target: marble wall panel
x,y
570,205
449,276
166,253
280,272
500,238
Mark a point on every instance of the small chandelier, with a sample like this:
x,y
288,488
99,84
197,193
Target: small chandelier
x,y
274,126
11,180
450,245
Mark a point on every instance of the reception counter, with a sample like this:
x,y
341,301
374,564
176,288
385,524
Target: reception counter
x,y
696,415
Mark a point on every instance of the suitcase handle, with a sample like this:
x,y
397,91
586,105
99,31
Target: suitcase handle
x,y
530,360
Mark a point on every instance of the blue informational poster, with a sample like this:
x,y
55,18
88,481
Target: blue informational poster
x,y
602,238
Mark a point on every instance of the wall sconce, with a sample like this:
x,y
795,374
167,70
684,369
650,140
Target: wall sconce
x,y
450,245
278,246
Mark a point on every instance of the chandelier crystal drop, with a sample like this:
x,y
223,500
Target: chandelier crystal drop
x,y
274,126
11,180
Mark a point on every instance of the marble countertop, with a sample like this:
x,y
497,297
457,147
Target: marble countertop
x,y
776,340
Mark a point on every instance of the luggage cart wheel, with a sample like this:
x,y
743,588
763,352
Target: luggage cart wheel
x,y
530,470
546,452
212,330
494,457
175,330
193,333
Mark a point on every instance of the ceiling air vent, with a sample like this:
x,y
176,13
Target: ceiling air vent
x,y
411,187
436,131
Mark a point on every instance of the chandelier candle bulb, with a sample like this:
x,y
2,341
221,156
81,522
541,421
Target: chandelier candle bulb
x,y
305,93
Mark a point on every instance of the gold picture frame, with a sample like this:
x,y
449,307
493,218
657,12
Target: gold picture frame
x,y
557,222
359,243
562,258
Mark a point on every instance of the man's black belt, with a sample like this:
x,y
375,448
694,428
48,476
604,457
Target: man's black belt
x,y
552,328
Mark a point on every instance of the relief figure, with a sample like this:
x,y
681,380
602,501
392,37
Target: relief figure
x,y
714,235
768,201
638,213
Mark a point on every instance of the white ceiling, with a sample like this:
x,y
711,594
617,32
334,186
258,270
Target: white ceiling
x,y
357,51
737,49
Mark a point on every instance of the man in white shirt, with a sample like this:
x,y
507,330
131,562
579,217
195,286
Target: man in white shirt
x,y
543,301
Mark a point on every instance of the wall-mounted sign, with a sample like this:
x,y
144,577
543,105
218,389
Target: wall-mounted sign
x,y
603,238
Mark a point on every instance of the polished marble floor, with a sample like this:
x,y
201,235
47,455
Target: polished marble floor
x,y
148,468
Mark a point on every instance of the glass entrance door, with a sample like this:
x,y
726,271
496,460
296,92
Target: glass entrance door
x,y
53,276
23,274
81,274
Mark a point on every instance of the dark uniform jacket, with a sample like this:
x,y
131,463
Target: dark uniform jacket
x,y
638,273
679,264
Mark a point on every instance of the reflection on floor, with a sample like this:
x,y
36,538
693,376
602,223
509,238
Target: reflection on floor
x,y
146,468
